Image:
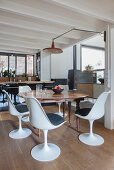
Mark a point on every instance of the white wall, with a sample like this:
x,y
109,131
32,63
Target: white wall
x,y
78,53
109,79
45,66
61,63
112,77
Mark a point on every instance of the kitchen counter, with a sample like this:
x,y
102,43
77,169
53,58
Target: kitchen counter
x,y
94,90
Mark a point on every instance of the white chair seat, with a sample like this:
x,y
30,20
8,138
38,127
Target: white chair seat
x,y
21,132
95,113
23,89
65,87
40,120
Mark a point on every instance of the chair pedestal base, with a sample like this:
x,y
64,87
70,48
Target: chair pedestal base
x,y
18,134
25,119
93,140
44,154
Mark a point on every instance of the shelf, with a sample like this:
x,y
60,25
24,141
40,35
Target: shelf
x,y
94,70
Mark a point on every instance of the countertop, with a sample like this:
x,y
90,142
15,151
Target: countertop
x,y
26,82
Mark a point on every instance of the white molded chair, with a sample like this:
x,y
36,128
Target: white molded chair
x,y
40,120
21,132
23,89
65,87
95,113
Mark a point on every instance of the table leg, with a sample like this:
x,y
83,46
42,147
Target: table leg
x,y
38,131
64,109
15,102
77,118
69,112
77,123
77,104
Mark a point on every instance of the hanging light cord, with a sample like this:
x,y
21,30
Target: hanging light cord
x,y
76,29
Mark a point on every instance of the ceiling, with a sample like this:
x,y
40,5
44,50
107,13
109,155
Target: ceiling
x,y
29,26
95,41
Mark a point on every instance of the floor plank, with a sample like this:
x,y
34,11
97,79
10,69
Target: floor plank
x,y
15,154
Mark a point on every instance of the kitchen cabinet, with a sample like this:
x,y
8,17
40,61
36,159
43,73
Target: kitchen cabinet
x,y
93,90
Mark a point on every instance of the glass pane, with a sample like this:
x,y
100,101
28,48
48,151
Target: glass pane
x,y
3,63
30,65
12,62
20,65
93,57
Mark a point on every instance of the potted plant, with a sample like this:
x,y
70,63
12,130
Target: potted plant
x,y
6,73
25,74
89,67
14,72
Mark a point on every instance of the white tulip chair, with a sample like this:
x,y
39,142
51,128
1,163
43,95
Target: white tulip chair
x,y
95,113
40,120
66,88
23,89
21,132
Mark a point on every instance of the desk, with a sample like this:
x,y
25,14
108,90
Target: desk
x,y
50,96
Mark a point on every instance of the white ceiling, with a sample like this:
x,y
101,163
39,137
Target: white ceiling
x,y
27,26
96,41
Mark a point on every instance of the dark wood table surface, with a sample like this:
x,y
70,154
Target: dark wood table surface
x,y
49,96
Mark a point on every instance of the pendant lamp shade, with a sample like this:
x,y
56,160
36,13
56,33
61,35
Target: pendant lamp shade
x,y
53,49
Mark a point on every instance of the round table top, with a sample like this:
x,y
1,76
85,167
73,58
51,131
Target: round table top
x,y
46,95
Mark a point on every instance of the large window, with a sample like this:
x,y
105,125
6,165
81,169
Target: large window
x,y
29,65
3,63
94,57
20,65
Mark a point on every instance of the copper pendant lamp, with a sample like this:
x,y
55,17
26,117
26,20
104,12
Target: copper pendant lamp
x,y
53,49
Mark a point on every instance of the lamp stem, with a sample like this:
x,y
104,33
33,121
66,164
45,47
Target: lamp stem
x,y
75,29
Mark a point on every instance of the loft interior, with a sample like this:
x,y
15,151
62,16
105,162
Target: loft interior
x,y
56,60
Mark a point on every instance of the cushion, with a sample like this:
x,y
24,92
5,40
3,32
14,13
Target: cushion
x,y
55,119
21,108
83,112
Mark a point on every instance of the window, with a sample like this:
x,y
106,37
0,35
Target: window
x,y
30,65
3,63
12,62
20,65
93,57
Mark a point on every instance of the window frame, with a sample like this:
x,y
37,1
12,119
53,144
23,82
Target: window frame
x,y
16,55
91,47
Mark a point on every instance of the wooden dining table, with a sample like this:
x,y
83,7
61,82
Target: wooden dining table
x,y
48,96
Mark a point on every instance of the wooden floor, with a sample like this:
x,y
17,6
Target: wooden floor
x,y
15,154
